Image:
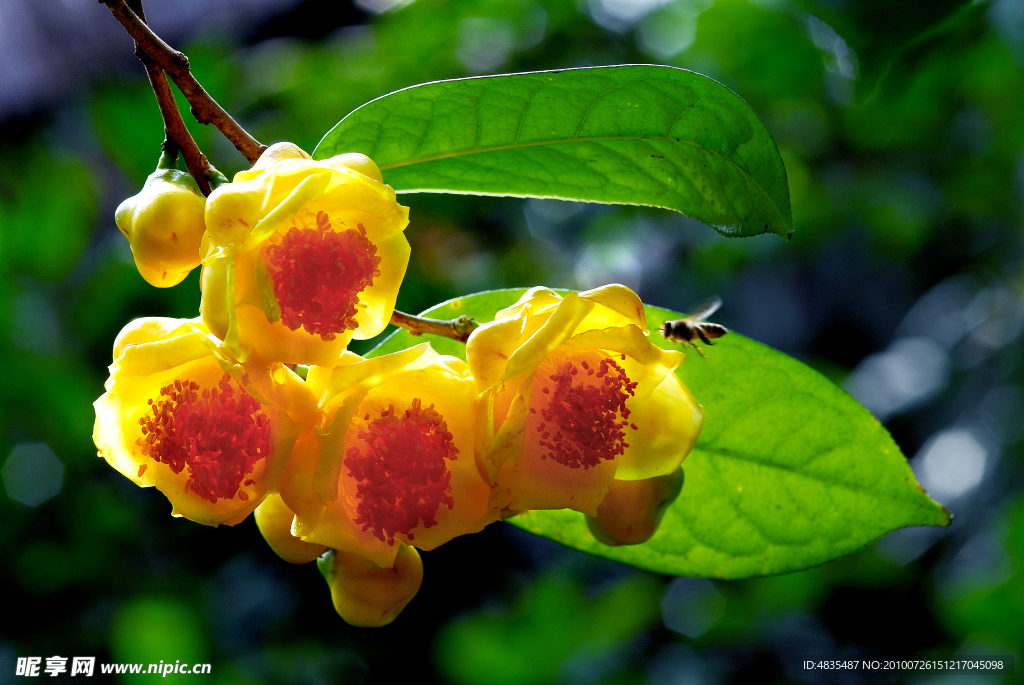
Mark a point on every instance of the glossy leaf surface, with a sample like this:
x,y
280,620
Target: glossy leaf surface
x,y
632,134
789,471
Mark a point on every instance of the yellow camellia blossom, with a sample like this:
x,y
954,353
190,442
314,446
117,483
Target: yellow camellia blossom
x,y
164,225
392,458
211,434
301,256
574,397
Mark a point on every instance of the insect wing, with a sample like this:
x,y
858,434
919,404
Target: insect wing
x,y
705,308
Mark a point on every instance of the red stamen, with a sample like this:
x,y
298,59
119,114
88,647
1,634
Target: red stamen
x,y
589,418
218,434
318,274
401,472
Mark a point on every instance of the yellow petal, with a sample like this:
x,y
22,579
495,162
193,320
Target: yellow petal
x,y
668,424
217,303
532,300
490,346
378,299
357,162
274,519
147,358
621,300
276,341
556,330
278,152
304,192
368,373
359,200
234,208
148,329
530,482
645,363
332,446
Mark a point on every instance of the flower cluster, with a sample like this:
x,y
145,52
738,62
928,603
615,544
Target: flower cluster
x,y
562,402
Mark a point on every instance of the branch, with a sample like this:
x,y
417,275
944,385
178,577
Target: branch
x,y
456,329
204,108
176,135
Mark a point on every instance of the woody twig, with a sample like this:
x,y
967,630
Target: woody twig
x,y
176,135
456,329
204,108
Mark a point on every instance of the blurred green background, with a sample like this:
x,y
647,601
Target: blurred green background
x,y
902,131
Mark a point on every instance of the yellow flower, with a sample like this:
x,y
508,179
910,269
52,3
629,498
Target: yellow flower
x,y
211,434
302,255
392,460
164,226
574,396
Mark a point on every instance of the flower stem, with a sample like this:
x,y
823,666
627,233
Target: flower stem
x,y
204,108
176,135
456,329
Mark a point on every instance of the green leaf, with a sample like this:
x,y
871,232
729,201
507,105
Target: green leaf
x,y
634,134
789,471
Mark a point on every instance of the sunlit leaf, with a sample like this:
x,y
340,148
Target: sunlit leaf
x,y
634,134
789,471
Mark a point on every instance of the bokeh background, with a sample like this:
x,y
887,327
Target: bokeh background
x,y
902,131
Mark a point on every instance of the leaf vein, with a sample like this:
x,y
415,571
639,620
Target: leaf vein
x,y
810,476
526,107
647,173
593,104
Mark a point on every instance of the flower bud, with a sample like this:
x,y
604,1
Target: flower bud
x,y
164,225
367,595
274,520
632,510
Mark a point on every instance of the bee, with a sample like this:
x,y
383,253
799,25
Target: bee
x,y
693,326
